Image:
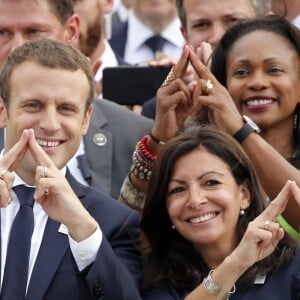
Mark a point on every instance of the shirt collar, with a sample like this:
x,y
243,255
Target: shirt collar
x,y
138,33
108,59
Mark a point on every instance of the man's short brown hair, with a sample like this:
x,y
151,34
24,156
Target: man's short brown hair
x,y
48,53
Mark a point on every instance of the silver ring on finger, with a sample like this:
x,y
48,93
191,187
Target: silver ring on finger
x,y
45,172
266,225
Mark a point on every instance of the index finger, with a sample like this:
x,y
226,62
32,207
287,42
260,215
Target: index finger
x,y
14,155
201,70
38,154
181,66
277,206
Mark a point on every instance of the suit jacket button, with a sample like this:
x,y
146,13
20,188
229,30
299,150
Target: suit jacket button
x,y
98,291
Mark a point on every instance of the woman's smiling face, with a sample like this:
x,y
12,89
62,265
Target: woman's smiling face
x,y
204,200
263,77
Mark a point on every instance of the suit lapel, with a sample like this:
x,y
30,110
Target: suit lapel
x,y
118,39
53,247
100,166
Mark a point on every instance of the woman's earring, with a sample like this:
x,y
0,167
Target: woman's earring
x,y
295,121
173,227
242,212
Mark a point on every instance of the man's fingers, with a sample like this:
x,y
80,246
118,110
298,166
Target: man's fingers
x,y
12,157
39,155
277,206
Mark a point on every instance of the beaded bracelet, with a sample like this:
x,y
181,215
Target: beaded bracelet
x,y
142,160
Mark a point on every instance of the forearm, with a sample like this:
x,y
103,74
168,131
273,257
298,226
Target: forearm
x,y
273,171
135,185
225,276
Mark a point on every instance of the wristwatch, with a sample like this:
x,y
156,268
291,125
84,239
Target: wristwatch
x,y
248,128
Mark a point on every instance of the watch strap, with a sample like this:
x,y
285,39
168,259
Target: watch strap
x,y
243,133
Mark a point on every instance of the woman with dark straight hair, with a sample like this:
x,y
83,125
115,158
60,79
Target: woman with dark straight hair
x,y
211,236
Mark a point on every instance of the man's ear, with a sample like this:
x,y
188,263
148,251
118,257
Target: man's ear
x,y
3,114
86,120
72,29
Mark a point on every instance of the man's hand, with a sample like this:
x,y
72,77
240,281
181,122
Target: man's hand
x,y
8,163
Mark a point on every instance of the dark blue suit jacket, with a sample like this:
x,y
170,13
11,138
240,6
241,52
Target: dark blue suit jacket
x,y
115,272
118,39
283,284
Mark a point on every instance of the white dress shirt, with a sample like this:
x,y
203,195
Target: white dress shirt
x,y
84,252
296,21
74,166
122,12
136,52
108,60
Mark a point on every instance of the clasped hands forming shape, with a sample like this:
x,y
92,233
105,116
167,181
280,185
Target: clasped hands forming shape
x,y
183,95
52,189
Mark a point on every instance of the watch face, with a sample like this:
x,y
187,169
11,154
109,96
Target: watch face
x,y
251,123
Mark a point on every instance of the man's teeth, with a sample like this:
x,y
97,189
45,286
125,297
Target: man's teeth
x,y
202,218
259,102
47,143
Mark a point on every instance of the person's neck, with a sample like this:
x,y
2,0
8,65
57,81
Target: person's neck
x,y
214,253
27,177
156,25
98,51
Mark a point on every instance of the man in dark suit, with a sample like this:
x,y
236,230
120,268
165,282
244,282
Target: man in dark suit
x,y
83,244
150,30
105,152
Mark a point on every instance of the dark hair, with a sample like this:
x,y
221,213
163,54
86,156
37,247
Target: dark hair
x,y
48,53
172,257
62,9
260,6
275,24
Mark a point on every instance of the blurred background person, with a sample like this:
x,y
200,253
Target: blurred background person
x,y
92,39
120,12
152,28
288,8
